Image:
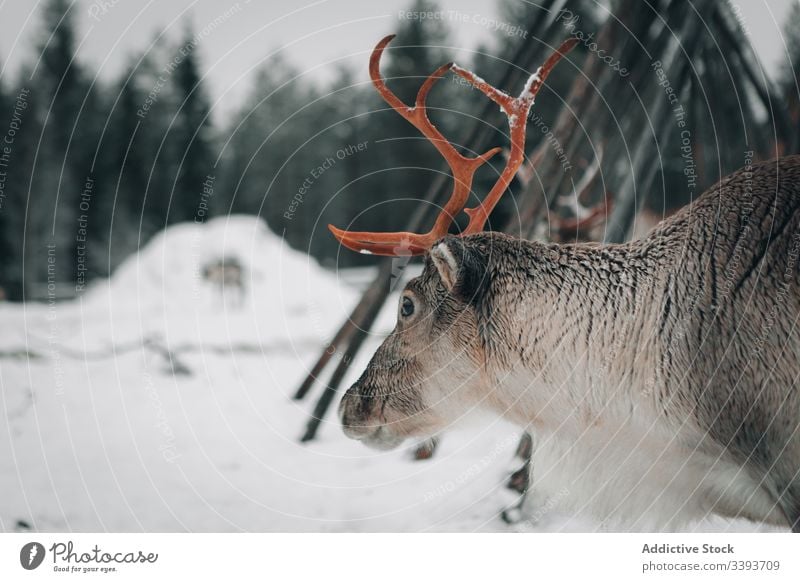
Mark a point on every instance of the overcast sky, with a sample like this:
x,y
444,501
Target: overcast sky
x,y
313,34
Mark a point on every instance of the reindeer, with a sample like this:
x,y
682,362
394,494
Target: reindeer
x,y
586,221
657,375
227,274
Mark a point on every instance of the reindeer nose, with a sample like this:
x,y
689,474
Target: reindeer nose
x,y
354,412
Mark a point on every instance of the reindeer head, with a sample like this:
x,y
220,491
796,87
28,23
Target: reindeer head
x,y
410,386
425,372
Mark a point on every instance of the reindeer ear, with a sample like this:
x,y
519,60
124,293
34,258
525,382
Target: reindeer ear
x,y
462,268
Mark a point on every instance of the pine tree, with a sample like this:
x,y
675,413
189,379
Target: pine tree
x,y
153,96
129,151
407,163
191,134
96,203
340,119
58,178
263,170
23,105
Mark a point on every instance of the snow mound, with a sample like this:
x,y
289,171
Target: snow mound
x,y
169,270
161,293
166,278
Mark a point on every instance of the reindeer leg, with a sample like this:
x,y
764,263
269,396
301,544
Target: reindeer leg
x,y
519,480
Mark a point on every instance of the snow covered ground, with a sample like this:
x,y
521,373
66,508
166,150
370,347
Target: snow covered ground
x,y
104,432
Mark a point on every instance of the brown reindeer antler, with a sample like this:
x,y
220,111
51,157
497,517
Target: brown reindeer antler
x,y
462,167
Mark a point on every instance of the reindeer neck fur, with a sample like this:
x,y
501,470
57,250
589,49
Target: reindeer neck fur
x,y
565,332
569,356
572,355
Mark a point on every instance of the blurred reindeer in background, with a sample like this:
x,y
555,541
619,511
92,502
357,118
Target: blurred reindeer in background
x,y
571,220
227,275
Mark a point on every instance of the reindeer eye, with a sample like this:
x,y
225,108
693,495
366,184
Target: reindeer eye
x,y
406,307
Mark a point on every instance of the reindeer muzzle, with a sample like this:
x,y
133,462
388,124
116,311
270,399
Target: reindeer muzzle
x,y
361,420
